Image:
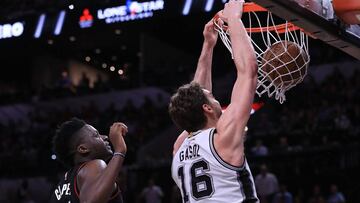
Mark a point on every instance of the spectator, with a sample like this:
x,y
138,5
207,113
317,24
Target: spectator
x,y
65,81
342,122
259,149
24,194
299,197
175,195
152,193
84,84
283,196
283,145
316,196
335,195
266,184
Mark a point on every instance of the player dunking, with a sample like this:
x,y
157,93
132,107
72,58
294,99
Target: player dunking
x,y
81,147
209,164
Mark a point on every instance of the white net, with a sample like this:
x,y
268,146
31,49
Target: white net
x,y
281,51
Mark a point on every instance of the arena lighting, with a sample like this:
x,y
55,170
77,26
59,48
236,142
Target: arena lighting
x,y
97,51
87,58
60,23
39,26
187,7
208,6
120,72
72,39
104,65
11,30
53,157
117,31
112,68
71,6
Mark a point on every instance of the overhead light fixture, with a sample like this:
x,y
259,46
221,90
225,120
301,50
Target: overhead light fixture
x,y
104,65
59,23
71,6
40,26
118,31
112,68
87,58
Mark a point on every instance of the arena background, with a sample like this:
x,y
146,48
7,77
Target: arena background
x,y
73,58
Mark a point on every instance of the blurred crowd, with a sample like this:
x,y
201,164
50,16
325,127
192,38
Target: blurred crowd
x,y
63,87
315,115
310,143
27,146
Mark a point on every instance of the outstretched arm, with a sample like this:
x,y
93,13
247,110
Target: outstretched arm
x,y
203,70
96,179
229,142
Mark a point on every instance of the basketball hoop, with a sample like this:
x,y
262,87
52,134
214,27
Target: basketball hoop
x,y
288,68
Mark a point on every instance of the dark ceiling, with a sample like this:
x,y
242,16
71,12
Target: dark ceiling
x,y
12,9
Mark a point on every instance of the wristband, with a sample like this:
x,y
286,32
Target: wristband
x,y
120,154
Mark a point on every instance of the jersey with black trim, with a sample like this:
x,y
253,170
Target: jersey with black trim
x,y
202,176
66,191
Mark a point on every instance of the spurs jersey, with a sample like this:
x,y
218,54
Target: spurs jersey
x,y
67,191
203,176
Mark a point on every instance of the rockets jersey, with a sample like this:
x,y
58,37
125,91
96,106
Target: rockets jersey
x,y
67,191
203,176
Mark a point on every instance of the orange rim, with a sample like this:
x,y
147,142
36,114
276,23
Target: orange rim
x,y
252,7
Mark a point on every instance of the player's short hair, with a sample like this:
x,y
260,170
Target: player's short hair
x,y
62,139
185,107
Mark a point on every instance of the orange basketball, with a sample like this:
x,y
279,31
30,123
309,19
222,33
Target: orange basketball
x,y
284,62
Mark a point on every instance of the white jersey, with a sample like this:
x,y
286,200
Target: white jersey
x,y
203,176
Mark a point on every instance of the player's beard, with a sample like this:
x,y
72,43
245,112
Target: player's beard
x,y
218,112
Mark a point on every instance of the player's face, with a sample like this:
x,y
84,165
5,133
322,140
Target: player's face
x,y
98,145
213,102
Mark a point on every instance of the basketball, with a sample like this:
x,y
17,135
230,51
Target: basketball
x,y
284,62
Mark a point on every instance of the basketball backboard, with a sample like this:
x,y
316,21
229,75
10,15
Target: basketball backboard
x,y
317,17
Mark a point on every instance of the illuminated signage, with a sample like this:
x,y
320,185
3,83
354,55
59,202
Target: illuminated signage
x,y
11,30
86,19
131,11
208,6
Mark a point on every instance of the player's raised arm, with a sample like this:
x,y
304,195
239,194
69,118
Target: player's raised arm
x,y
203,70
230,128
96,179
